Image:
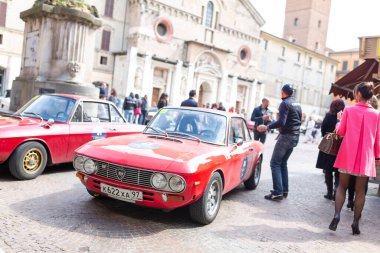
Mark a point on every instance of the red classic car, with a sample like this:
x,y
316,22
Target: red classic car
x,y
49,128
185,156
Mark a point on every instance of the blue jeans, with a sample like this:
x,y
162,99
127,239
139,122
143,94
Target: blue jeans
x,y
142,117
279,162
128,114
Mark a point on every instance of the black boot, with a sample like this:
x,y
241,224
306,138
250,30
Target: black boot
x,y
329,184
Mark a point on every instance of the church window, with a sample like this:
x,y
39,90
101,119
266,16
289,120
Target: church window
x,y
163,29
298,57
106,37
295,23
108,10
1,39
316,45
103,60
283,51
244,55
319,23
209,14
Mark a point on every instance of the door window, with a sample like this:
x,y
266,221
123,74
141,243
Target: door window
x,y
238,131
95,112
115,115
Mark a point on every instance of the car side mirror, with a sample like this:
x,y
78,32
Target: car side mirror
x,y
239,141
49,123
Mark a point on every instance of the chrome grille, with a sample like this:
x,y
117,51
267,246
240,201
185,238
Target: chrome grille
x,y
131,175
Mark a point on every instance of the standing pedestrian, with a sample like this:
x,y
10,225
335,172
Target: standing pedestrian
x,y
309,129
214,106
163,102
128,106
190,102
113,98
351,186
221,107
261,116
326,161
289,123
103,91
137,109
144,110
358,153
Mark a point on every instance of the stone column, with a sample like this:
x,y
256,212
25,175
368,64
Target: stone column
x,y
169,84
58,53
175,85
131,72
233,94
147,76
222,88
190,78
252,98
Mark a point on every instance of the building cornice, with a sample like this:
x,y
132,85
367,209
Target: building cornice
x,y
298,47
254,13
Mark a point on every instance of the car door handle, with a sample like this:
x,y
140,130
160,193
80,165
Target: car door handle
x,y
112,129
250,149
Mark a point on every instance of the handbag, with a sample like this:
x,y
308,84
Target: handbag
x,y
330,143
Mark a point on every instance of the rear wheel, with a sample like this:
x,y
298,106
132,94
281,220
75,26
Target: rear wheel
x,y
253,181
28,160
204,211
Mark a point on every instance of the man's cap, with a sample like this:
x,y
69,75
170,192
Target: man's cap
x,y
288,89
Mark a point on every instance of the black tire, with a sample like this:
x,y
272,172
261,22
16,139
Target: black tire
x,y
28,161
253,181
94,194
198,210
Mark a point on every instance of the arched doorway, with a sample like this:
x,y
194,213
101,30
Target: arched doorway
x,y
205,94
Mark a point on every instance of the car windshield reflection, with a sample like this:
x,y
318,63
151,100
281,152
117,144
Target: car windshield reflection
x,y
48,107
187,124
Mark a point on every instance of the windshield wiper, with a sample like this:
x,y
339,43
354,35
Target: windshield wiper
x,y
187,135
33,113
13,115
158,130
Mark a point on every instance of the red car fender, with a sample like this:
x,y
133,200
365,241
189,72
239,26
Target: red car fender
x,y
9,149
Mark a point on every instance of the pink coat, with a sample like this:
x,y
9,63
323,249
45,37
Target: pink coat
x,y
360,126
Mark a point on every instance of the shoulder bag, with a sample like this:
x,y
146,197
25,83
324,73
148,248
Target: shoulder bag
x,y
330,143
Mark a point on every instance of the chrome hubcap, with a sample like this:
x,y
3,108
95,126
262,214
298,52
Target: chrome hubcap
x,y
213,198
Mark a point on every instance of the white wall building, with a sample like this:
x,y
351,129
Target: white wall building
x,y
310,73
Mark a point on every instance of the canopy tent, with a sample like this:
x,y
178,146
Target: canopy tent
x,y
365,72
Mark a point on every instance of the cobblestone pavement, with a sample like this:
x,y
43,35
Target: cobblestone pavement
x,y
54,213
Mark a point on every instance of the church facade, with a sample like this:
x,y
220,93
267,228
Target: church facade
x,y
176,46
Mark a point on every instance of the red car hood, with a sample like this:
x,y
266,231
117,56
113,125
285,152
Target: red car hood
x,y
9,122
145,151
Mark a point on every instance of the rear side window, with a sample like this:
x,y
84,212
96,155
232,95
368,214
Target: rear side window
x,y
115,115
95,112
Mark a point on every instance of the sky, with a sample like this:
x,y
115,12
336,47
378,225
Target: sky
x,y
349,19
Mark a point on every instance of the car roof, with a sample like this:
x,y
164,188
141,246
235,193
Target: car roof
x,y
223,113
78,97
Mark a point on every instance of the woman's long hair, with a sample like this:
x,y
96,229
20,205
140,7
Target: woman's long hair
x,y
336,106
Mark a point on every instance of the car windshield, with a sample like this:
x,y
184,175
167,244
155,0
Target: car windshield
x,y
48,107
190,124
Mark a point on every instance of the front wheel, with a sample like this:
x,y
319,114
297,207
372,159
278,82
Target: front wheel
x,y
204,211
253,181
28,160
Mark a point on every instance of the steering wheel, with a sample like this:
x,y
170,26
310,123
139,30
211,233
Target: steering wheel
x,y
60,115
207,134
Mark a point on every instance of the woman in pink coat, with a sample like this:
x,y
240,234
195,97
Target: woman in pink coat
x,y
360,127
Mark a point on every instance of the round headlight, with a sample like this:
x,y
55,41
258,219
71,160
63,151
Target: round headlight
x,y
89,166
78,163
159,181
177,184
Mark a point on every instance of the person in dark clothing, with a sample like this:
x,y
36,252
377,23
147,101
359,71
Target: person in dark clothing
x,y
163,102
289,123
129,106
261,116
221,107
190,102
144,109
326,161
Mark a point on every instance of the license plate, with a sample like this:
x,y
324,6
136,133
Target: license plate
x,y
122,194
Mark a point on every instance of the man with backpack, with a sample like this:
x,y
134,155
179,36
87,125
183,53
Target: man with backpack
x,y
129,106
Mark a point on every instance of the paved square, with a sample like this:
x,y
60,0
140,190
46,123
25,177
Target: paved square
x,y
54,213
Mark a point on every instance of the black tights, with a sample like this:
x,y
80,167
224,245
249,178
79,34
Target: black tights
x,y
340,197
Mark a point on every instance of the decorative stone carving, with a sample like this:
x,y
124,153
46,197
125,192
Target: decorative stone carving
x,y
183,87
73,68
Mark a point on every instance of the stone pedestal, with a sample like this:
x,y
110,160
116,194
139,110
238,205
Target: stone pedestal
x,y
58,53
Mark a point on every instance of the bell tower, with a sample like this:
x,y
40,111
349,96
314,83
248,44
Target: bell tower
x,y
306,23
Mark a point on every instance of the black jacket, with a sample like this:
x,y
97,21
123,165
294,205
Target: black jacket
x,y
290,116
190,102
257,116
129,103
324,160
162,103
